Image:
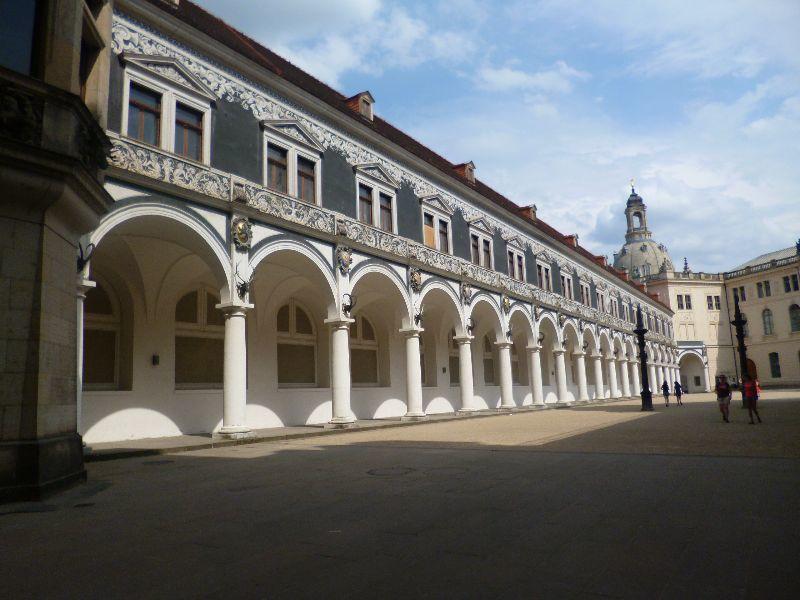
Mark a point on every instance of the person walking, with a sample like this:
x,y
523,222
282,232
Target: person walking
x,y
678,392
665,390
751,391
723,391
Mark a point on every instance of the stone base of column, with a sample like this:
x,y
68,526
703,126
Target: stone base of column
x,y
235,432
564,404
343,423
466,412
35,469
414,417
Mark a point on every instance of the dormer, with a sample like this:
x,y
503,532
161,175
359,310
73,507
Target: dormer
x,y
362,103
528,212
572,239
466,170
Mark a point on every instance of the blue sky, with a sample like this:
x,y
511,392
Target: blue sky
x,y
560,103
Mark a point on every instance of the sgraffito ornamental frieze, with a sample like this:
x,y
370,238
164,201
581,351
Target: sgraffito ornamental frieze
x,y
133,37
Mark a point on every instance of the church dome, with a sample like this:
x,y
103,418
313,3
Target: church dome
x,y
641,256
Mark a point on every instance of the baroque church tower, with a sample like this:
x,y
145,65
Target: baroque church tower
x,y
640,257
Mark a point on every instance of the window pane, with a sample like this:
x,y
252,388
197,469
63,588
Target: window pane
x,y
386,212
364,203
186,309
521,273
283,319
144,115
198,360
428,232
302,324
306,189
277,169
214,316
488,370
296,365
364,365
511,264
99,356
367,332
487,254
475,249
455,370
188,131
444,238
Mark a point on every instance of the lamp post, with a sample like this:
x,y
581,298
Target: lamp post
x,y
647,396
739,321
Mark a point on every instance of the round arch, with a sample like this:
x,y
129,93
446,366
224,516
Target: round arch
x,y
373,267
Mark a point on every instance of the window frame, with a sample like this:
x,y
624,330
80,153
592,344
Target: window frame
x,y
170,97
541,268
516,253
767,322
438,215
101,322
483,237
296,339
275,137
586,294
199,329
378,187
359,343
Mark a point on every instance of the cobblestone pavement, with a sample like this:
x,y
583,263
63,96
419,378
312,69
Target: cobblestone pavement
x,y
581,502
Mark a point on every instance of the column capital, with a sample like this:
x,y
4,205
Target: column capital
x,y
597,355
338,322
533,348
558,351
579,353
233,308
463,339
411,331
502,345
83,285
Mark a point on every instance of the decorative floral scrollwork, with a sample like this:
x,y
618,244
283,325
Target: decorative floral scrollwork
x,y
465,292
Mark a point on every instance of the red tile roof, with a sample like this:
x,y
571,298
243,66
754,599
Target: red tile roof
x,y
216,28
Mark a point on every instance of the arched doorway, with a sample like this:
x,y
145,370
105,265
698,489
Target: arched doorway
x,y
692,373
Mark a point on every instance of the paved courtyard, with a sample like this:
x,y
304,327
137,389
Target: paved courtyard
x,y
582,502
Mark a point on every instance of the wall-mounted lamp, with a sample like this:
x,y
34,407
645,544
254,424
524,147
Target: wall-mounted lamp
x,y
470,325
541,338
348,304
84,255
508,335
418,317
585,346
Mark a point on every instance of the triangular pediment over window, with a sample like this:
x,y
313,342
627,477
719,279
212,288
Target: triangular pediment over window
x,y
169,70
378,173
515,242
482,224
436,202
294,131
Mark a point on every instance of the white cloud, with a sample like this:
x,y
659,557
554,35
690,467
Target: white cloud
x,y
559,78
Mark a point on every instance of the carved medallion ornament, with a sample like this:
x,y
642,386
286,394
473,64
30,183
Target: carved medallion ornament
x,y
415,279
506,304
241,232
466,292
344,259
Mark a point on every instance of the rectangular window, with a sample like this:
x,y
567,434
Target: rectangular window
x,y
386,212
475,249
428,230
717,305
586,296
487,254
767,290
742,295
760,289
365,203
455,371
144,115
520,268
516,265
680,301
444,236
277,169
774,365
306,180
566,286
795,283
510,263
688,301
710,302
786,286
188,132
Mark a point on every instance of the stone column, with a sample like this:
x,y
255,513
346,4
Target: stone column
x,y
341,414
599,392
612,377
535,372
706,379
414,411
561,375
465,373
637,386
580,363
234,382
626,385
506,382
653,378
660,376
83,287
